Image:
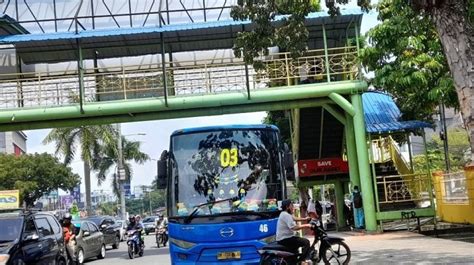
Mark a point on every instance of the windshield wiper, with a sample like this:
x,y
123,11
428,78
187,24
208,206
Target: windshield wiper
x,y
196,208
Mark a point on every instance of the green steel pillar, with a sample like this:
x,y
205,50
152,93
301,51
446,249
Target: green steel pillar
x,y
80,71
374,174
339,188
364,167
326,55
351,154
351,151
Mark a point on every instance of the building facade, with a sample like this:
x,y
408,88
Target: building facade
x,y
13,142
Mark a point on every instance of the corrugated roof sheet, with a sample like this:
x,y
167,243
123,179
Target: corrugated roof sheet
x,y
382,115
122,42
144,30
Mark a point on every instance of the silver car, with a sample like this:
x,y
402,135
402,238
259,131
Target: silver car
x,y
123,229
90,241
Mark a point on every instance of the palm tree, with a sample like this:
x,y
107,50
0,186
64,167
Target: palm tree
x,y
89,139
109,157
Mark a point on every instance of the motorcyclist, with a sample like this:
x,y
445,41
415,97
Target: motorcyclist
x,y
286,227
161,222
161,226
135,224
69,236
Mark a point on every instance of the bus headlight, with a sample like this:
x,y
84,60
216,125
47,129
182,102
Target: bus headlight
x,y
269,239
182,243
4,259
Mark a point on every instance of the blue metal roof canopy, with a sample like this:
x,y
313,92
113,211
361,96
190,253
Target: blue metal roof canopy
x,y
112,43
382,115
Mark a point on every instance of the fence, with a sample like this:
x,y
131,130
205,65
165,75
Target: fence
x,y
455,196
42,89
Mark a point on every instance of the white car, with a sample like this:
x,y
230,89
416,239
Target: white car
x,y
123,229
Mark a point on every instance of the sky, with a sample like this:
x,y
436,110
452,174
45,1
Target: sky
x,y
156,138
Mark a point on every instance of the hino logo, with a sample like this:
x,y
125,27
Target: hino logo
x,y
226,232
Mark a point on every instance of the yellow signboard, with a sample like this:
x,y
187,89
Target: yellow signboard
x,y
9,199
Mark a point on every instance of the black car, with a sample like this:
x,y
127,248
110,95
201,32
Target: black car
x,y
109,228
31,238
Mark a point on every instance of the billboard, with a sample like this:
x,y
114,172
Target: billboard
x,y
66,201
325,166
76,193
9,199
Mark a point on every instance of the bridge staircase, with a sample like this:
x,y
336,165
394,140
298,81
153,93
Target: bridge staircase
x,y
399,188
320,136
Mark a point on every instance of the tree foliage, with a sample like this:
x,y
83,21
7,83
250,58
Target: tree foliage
x,y
107,158
291,35
458,141
35,175
408,60
89,139
142,205
282,121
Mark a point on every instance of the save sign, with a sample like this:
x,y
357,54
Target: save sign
x,y
325,166
9,199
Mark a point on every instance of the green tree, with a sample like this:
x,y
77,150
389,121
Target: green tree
x,y
408,60
282,121
89,139
458,141
35,175
452,20
108,208
291,35
108,158
157,198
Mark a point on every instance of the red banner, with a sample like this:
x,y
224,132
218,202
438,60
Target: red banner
x,y
325,166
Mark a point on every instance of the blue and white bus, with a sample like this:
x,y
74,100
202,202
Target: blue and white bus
x,y
223,185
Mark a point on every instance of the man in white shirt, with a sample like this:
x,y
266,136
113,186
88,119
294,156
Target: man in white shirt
x,y
286,228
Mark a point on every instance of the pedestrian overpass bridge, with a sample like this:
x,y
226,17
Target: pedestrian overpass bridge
x,y
327,79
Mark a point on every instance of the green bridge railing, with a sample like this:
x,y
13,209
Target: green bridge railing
x,y
183,78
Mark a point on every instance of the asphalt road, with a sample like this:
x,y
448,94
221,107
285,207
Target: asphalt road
x,y
153,255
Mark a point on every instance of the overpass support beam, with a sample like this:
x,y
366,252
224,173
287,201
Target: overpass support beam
x,y
366,187
335,113
80,70
343,103
341,222
351,151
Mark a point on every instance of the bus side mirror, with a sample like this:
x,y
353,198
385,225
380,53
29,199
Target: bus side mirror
x,y
162,177
288,164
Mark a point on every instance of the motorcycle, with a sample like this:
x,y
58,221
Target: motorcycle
x,y
134,245
331,250
161,236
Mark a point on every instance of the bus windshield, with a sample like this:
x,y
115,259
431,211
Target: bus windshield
x,y
217,165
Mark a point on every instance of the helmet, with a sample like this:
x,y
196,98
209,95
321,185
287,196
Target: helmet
x,y
131,219
285,204
67,216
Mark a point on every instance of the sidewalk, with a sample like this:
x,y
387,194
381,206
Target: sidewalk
x,y
406,248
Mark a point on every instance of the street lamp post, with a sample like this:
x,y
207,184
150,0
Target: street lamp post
x,y
121,172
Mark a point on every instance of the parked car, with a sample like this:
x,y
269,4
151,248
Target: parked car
x,y
31,238
123,229
89,241
109,228
149,223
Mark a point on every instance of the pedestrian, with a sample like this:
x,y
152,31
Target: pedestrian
x,y
357,206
